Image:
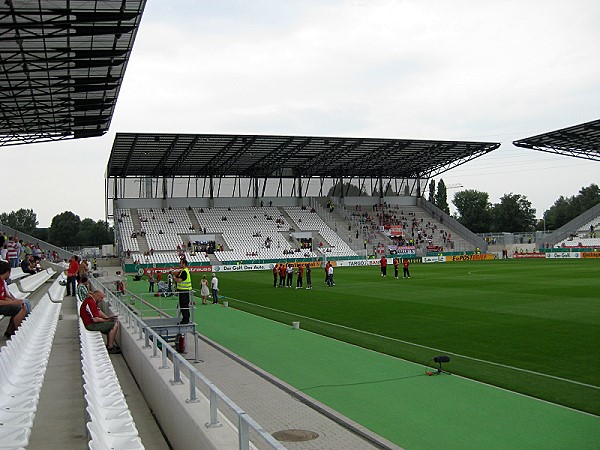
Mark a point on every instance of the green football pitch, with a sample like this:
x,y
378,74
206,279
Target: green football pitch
x,y
531,326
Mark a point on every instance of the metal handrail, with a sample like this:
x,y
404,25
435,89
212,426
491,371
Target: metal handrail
x,y
245,422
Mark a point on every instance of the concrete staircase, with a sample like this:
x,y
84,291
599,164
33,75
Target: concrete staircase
x,y
137,225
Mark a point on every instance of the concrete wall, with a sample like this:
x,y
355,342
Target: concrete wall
x,y
183,423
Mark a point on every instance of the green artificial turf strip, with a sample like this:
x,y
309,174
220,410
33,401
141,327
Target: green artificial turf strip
x,y
537,315
395,398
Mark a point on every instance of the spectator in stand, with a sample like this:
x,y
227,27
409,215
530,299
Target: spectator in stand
x,y
13,251
72,273
9,305
4,253
95,320
28,265
83,288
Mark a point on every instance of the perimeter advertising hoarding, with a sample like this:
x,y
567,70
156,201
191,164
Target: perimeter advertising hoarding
x,y
406,250
561,255
591,255
358,263
528,255
192,269
476,257
242,267
433,259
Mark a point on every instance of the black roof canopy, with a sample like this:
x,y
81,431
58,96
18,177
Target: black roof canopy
x,y
580,141
62,65
202,155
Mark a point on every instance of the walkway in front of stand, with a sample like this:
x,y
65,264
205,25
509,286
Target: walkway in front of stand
x,y
394,398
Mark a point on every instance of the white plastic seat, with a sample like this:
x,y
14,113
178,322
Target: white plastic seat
x,y
14,438
114,424
105,441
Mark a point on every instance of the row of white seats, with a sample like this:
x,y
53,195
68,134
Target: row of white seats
x,y
23,363
33,282
57,290
110,424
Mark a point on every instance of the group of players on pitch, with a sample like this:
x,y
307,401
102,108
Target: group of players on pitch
x,y
283,274
396,262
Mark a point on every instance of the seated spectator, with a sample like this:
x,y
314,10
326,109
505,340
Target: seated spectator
x,y
9,305
95,320
83,288
28,265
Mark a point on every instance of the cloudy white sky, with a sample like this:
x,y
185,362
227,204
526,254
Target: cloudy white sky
x,y
495,70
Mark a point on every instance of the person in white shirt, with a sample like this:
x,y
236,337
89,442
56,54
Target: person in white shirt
x,y
214,284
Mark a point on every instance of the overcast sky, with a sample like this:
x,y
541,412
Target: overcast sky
x,y
495,70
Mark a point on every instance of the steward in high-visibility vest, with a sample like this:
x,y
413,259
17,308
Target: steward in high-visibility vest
x,y
184,288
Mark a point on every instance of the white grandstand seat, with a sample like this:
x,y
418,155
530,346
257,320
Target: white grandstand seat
x,y
14,438
17,273
100,440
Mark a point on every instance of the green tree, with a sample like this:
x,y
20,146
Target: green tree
x,y
63,229
441,197
473,210
94,233
431,197
513,214
566,209
24,220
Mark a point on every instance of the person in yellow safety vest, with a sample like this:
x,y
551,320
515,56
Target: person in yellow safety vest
x,y
184,289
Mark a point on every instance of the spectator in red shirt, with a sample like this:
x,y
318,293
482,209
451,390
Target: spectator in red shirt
x,y
9,305
72,273
95,320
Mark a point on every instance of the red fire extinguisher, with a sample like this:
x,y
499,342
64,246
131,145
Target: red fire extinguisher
x,y
180,343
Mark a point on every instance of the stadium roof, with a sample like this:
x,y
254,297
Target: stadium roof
x,y
202,155
62,65
580,141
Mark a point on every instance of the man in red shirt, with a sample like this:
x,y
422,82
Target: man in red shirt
x,y
95,320
281,275
9,305
383,266
396,263
300,276
405,264
72,272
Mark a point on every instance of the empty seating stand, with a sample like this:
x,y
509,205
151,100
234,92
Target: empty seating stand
x,y
23,363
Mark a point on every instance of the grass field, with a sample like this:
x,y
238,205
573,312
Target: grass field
x,y
530,326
